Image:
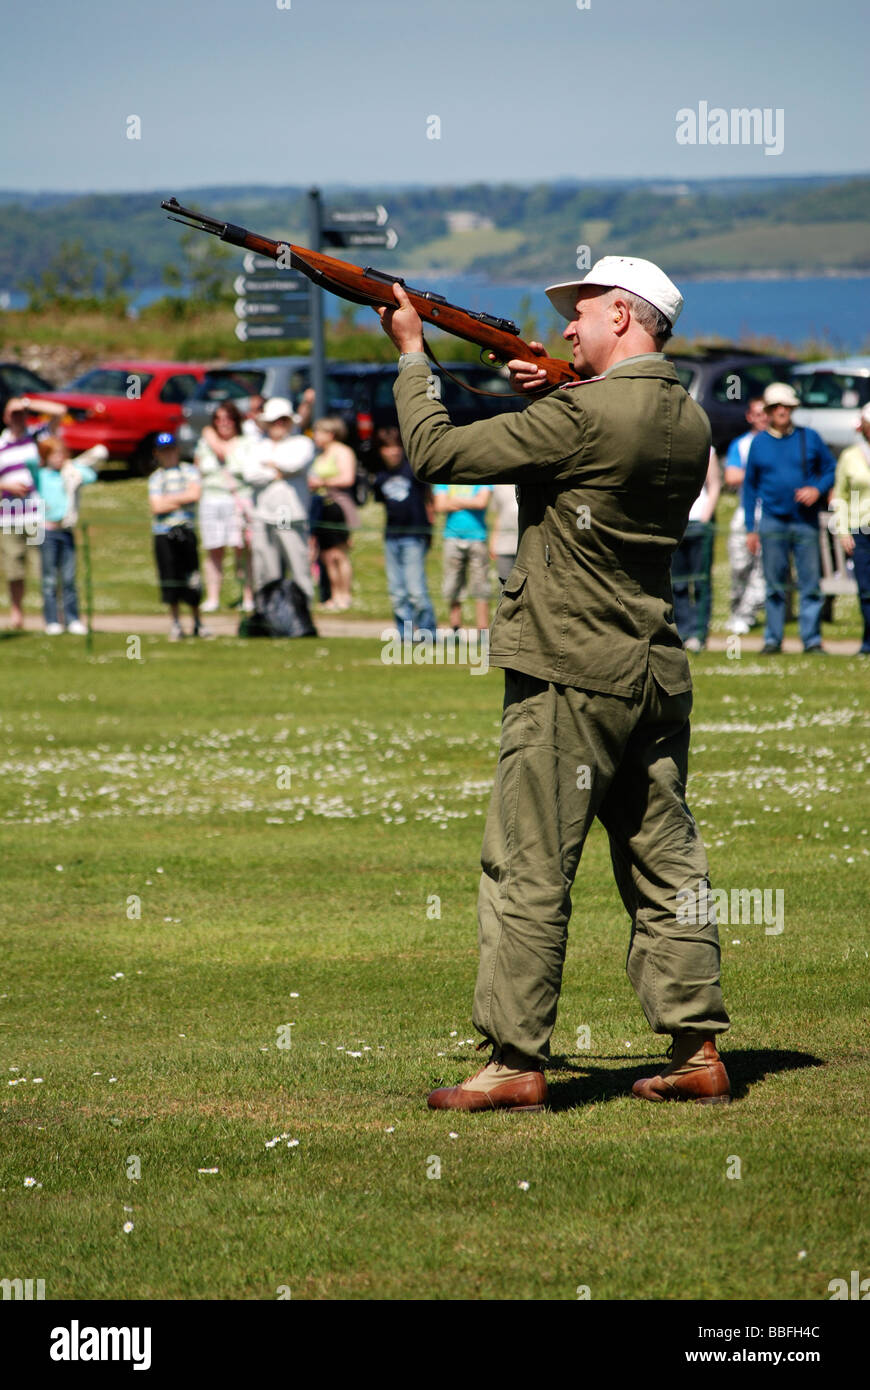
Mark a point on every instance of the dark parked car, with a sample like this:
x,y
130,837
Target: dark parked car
x,y
360,392
16,380
723,380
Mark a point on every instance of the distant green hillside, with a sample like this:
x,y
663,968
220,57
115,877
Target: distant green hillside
x,y
463,249
764,245
809,224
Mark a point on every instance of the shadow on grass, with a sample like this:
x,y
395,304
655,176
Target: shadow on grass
x,y
595,1083
7,633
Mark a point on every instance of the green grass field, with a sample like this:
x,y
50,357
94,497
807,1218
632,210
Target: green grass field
x,y
225,847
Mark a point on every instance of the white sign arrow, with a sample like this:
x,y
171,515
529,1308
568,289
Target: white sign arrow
x,y
376,215
270,284
251,262
293,306
289,328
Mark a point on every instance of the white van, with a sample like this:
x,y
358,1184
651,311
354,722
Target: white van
x,y
832,395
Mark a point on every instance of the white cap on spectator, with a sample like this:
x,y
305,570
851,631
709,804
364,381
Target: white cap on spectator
x,y
276,408
778,393
865,415
643,278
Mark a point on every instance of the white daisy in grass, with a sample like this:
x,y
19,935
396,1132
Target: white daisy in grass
x,y
30,1182
208,1170
523,1186
127,1227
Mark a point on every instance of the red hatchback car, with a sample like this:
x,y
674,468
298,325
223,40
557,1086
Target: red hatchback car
x,y
125,405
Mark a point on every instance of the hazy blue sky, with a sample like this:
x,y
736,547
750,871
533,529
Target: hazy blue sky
x,y
340,90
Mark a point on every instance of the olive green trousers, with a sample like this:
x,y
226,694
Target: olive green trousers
x,y
567,756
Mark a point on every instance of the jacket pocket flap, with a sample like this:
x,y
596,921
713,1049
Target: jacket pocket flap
x,y
670,667
514,584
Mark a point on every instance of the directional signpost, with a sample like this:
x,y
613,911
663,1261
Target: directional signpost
x,y
287,328
360,236
272,303
252,263
275,305
277,282
354,227
361,217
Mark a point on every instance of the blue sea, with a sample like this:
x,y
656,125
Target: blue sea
x,y
833,309
797,310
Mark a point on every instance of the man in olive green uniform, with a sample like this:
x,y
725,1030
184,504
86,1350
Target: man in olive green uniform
x,y
597,684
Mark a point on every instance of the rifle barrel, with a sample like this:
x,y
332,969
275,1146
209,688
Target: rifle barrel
x,y
347,281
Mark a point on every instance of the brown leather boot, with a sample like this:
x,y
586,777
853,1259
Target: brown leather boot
x,y
696,1073
507,1082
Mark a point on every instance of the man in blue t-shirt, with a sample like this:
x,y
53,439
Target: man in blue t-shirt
x,y
466,554
790,471
407,536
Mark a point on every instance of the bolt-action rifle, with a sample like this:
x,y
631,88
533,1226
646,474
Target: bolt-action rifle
x,y
499,338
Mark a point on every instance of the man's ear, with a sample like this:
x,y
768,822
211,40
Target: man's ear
x,y
620,315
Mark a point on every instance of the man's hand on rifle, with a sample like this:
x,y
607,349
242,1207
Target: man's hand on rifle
x,y
403,324
525,376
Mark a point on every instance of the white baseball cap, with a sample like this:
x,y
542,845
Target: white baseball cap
x,y
864,417
779,393
276,408
642,278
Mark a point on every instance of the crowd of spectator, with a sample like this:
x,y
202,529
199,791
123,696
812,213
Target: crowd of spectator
x,y
277,492
282,501
785,477
39,485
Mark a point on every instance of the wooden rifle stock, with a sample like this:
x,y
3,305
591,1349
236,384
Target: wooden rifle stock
x,y
500,337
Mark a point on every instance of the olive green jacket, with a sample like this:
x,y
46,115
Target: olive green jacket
x,y
607,470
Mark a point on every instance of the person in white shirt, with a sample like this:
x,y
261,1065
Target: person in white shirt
x,y
19,502
251,422
277,471
692,564
219,455
504,537
747,574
